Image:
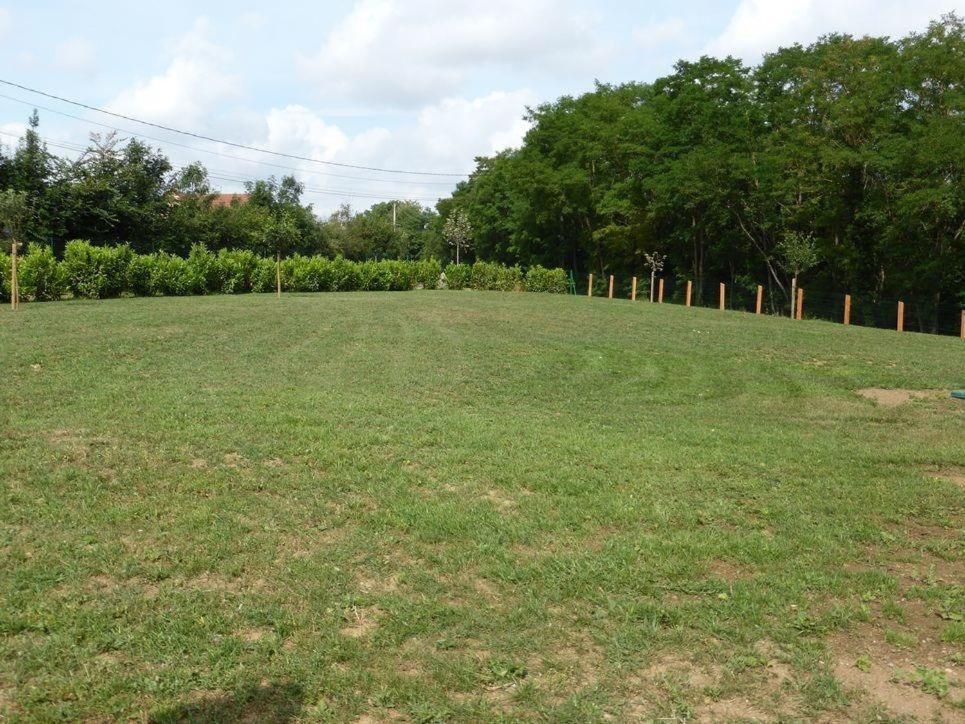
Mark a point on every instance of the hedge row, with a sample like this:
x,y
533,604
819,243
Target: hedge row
x,y
98,272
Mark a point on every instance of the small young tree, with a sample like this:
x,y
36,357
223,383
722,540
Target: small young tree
x,y
458,231
14,212
655,261
797,253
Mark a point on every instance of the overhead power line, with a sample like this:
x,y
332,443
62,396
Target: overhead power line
x,y
232,177
203,137
220,154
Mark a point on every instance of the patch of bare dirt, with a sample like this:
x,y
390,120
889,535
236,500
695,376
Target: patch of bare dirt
x,y
309,542
360,622
76,444
952,474
235,461
893,398
729,571
274,463
866,662
499,499
199,463
252,635
104,585
736,709
217,582
378,584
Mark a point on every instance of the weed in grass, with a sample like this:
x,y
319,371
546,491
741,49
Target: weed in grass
x,y
900,639
931,681
954,633
890,609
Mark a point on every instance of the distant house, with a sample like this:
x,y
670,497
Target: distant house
x,y
228,199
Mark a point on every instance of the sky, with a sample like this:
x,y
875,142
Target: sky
x,y
404,85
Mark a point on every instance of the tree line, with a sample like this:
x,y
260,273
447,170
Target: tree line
x,y
839,162
123,191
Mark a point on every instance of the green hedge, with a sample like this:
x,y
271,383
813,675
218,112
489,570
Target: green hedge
x,y
98,272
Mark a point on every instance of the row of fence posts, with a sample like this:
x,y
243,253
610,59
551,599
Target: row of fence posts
x,y
796,313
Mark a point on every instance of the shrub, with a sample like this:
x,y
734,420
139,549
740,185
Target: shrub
x,y
541,279
96,272
458,275
496,277
237,270
99,271
4,276
168,275
346,276
263,277
205,274
427,273
41,277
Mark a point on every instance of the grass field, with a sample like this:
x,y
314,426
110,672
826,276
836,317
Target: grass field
x,y
465,506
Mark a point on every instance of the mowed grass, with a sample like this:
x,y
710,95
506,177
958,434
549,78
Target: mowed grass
x,y
469,506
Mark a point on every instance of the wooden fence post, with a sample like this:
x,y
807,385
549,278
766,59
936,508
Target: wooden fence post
x,y
611,287
589,287
800,303
963,324
847,309
690,289
278,275
760,299
723,292
633,290
14,279
901,316
660,293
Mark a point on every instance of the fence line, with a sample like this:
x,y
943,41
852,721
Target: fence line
x,y
831,306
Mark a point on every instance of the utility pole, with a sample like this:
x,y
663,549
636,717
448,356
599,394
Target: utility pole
x,y
393,214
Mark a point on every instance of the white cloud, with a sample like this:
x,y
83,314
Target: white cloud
x,y
760,26
660,34
445,136
75,56
252,20
408,52
197,80
4,21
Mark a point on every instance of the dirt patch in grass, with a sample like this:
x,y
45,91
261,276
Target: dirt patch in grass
x,y
953,474
104,585
895,397
736,709
378,584
274,463
253,635
675,667
360,622
304,544
217,582
499,499
879,661
235,461
76,445
729,571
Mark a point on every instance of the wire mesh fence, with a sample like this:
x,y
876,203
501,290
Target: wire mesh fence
x,y
865,310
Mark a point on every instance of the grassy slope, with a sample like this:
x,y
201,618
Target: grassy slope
x,y
455,504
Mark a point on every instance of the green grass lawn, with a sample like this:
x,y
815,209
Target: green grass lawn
x,y
465,506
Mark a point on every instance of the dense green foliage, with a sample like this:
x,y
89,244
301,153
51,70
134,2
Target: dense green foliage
x,y
130,193
99,272
852,145
472,507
